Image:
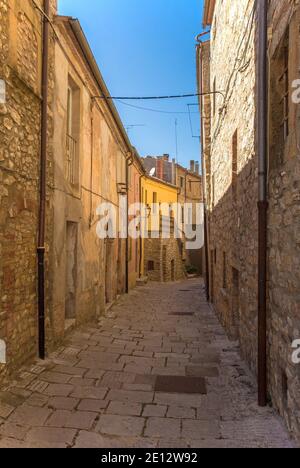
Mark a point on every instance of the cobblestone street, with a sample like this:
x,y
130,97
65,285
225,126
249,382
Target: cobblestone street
x,y
101,390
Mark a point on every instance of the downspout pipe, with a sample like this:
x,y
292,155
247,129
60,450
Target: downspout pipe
x,y
127,231
206,238
43,180
141,237
262,13
129,163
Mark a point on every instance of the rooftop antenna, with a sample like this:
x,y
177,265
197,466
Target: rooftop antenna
x,y
130,127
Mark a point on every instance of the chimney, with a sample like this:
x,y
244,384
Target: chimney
x,y
160,169
192,166
166,157
197,168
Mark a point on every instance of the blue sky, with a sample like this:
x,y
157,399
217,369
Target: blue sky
x,y
147,47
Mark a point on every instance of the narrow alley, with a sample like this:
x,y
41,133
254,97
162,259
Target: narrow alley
x,y
130,381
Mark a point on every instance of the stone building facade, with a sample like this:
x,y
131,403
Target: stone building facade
x,y
284,210
88,156
20,127
91,156
163,258
190,191
228,69
189,183
136,172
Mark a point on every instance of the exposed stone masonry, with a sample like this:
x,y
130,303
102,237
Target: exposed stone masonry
x,y
19,177
232,192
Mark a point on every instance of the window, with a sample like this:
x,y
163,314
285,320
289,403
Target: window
x,y
154,201
284,83
73,131
214,97
213,184
150,265
279,102
234,164
190,216
181,181
129,176
190,186
224,271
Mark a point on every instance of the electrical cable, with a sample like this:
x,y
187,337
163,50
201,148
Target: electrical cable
x,y
191,124
153,110
152,98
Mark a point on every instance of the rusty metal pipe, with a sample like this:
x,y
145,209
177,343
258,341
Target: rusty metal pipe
x,y
43,180
262,13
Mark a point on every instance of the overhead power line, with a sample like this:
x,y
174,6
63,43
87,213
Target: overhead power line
x,y
152,98
159,111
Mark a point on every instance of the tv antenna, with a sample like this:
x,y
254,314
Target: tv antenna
x,y
130,127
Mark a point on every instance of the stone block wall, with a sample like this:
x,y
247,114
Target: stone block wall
x,y
20,67
166,256
232,194
232,212
284,224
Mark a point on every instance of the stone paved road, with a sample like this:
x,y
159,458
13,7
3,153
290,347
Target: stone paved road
x,y
98,390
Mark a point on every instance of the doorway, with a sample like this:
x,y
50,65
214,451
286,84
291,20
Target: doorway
x,y
71,270
212,275
236,299
109,247
173,276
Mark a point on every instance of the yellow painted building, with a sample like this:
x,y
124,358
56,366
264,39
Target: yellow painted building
x,y
157,192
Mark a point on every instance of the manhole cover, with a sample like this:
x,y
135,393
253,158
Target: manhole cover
x,y
185,314
173,384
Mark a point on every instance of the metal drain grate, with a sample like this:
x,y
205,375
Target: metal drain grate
x,y
182,314
184,385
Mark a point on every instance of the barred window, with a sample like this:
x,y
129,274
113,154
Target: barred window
x,y
284,85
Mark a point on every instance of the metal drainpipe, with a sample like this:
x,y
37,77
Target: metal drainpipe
x,y
141,238
43,180
262,11
127,231
128,164
206,239
92,165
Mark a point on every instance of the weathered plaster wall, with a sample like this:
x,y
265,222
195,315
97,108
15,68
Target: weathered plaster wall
x,y
134,196
99,270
